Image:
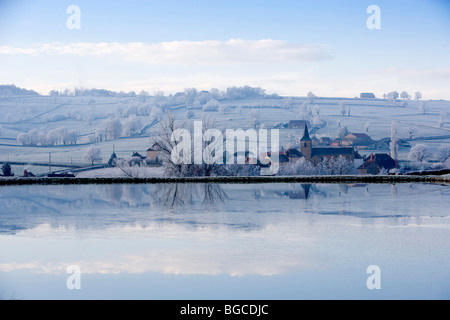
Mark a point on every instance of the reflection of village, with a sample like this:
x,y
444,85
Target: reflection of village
x,y
120,205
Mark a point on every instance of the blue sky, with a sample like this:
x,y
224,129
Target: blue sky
x,y
289,47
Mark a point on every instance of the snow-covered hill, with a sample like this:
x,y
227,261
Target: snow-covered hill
x,y
50,123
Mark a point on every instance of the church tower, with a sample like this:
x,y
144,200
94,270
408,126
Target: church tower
x,y
306,144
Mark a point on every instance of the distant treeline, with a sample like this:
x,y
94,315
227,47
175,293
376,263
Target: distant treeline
x,y
190,94
7,91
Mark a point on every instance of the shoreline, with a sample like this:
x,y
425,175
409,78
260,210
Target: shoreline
x,y
394,179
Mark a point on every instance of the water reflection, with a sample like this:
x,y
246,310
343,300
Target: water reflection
x,y
236,230
102,206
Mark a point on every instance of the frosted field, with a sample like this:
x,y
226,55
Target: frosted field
x,y
85,114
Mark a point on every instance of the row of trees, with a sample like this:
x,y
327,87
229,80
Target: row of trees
x,y
422,153
114,128
59,136
332,166
394,95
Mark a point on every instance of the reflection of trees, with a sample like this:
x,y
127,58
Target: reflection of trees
x,y
181,194
213,193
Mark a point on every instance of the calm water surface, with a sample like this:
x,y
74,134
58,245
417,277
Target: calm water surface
x,y
200,241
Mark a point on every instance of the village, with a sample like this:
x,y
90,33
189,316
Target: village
x,y
350,148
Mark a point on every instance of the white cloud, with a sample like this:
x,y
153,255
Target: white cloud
x,y
212,52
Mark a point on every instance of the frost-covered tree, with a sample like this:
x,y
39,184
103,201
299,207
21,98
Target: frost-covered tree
x,y
305,111
420,154
287,103
113,129
441,119
311,96
190,96
166,141
393,95
404,95
130,168
444,152
422,107
343,132
316,110
254,118
244,92
132,126
224,109
336,166
342,108
394,140
212,105
99,135
301,167
418,95
216,93
93,154
342,166
156,114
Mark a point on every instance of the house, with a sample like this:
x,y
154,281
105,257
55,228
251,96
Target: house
x,y
137,155
297,124
293,155
375,163
153,154
317,154
357,140
367,96
325,141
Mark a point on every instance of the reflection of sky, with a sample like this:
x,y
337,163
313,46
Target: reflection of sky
x,y
257,240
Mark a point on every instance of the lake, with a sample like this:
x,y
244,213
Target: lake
x,y
225,241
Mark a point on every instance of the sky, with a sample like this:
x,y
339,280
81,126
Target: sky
x,y
289,47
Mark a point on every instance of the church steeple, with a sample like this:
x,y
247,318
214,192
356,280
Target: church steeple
x,y
306,134
306,144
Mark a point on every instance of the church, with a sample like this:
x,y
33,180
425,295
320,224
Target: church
x,y
315,155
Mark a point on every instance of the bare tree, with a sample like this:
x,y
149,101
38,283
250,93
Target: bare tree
x,y
113,129
420,153
394,140
444,152
132,126
163,142
404,95
418,95
93,154
190,94
441,119
422,107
